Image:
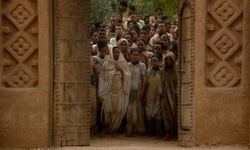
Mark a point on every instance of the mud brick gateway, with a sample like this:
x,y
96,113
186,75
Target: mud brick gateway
x,y
44,70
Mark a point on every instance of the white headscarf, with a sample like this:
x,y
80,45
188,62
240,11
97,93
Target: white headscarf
x,y
122,40
170,54
120,58
110,69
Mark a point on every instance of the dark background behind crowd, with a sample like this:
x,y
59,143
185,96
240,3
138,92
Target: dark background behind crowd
x,y
134,74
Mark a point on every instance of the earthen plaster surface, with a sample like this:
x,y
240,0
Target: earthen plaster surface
x,y
221,113
24,111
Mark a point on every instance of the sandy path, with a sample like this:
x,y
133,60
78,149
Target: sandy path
x,y
142,143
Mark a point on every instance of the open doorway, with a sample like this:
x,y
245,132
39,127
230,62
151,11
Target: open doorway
x,y
71,71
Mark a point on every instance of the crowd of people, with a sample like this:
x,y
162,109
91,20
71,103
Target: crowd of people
x,y
134,75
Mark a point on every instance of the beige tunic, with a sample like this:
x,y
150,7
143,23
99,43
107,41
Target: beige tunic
x,y
169,101
114,89
135,112
154,89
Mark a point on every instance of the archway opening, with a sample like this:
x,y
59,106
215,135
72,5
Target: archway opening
x,y
71,106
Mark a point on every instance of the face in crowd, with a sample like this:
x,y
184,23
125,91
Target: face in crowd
x,y
113,22
135,56
155,62
161,28
102,35
119,30
116,53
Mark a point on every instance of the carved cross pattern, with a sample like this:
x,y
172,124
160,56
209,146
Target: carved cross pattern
x,y
224,44
224,76
20,14
21,79
21,46
225,11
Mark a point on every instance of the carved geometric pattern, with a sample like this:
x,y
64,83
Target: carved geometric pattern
x,y
19,19
20,14
20,46
71,103
224,43
224,75
225,12
186,80
21,77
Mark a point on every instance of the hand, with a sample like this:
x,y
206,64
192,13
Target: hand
x,y
119,68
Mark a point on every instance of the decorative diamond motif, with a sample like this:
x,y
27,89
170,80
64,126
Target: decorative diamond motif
x,y
20,63
20,14
225,12
21,77
224,44
223,75
20,46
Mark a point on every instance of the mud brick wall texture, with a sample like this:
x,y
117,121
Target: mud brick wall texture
x,y
44,88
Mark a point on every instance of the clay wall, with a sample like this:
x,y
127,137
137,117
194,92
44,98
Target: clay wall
x,y
221,85
221,77
25,74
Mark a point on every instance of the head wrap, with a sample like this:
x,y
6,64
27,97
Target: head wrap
x,y
120,58
122,40
170,54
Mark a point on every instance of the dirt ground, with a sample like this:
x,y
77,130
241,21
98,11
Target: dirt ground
x,y
138,143
142,143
